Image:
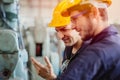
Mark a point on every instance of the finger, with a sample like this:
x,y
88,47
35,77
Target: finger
x,y
38,69
47,61
36,63
41,69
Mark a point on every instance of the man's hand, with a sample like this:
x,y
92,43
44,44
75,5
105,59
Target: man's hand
x,y
45,71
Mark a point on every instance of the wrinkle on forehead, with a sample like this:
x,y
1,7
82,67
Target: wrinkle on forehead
x,y
69,26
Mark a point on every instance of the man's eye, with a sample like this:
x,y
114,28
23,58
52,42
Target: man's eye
x,y
74,19
64,30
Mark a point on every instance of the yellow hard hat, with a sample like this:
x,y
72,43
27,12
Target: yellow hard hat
x,y
108,2
58,20
66,4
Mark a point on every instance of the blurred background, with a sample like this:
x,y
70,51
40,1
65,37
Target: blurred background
x,y
39,40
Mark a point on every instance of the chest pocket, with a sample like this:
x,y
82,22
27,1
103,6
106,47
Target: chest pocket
x,y
9,52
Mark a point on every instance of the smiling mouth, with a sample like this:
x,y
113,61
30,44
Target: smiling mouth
x,y
66,41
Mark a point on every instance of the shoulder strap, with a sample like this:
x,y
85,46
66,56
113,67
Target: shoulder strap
x,y
3,16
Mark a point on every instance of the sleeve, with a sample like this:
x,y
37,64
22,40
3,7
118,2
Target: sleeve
x,y
84,67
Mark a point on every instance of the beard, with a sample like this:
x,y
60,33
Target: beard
x,y
69,42
86,36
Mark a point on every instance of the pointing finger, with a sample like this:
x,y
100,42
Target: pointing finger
x,y
36,63
47,61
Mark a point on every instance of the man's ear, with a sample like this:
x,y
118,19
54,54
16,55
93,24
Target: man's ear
x,y
94,12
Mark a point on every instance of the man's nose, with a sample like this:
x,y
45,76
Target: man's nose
x,y
74,26
60,35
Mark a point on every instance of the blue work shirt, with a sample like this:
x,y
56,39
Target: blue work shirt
x,y
100,60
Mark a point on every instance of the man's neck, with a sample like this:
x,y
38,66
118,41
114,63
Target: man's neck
x,y
77,46
100,28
